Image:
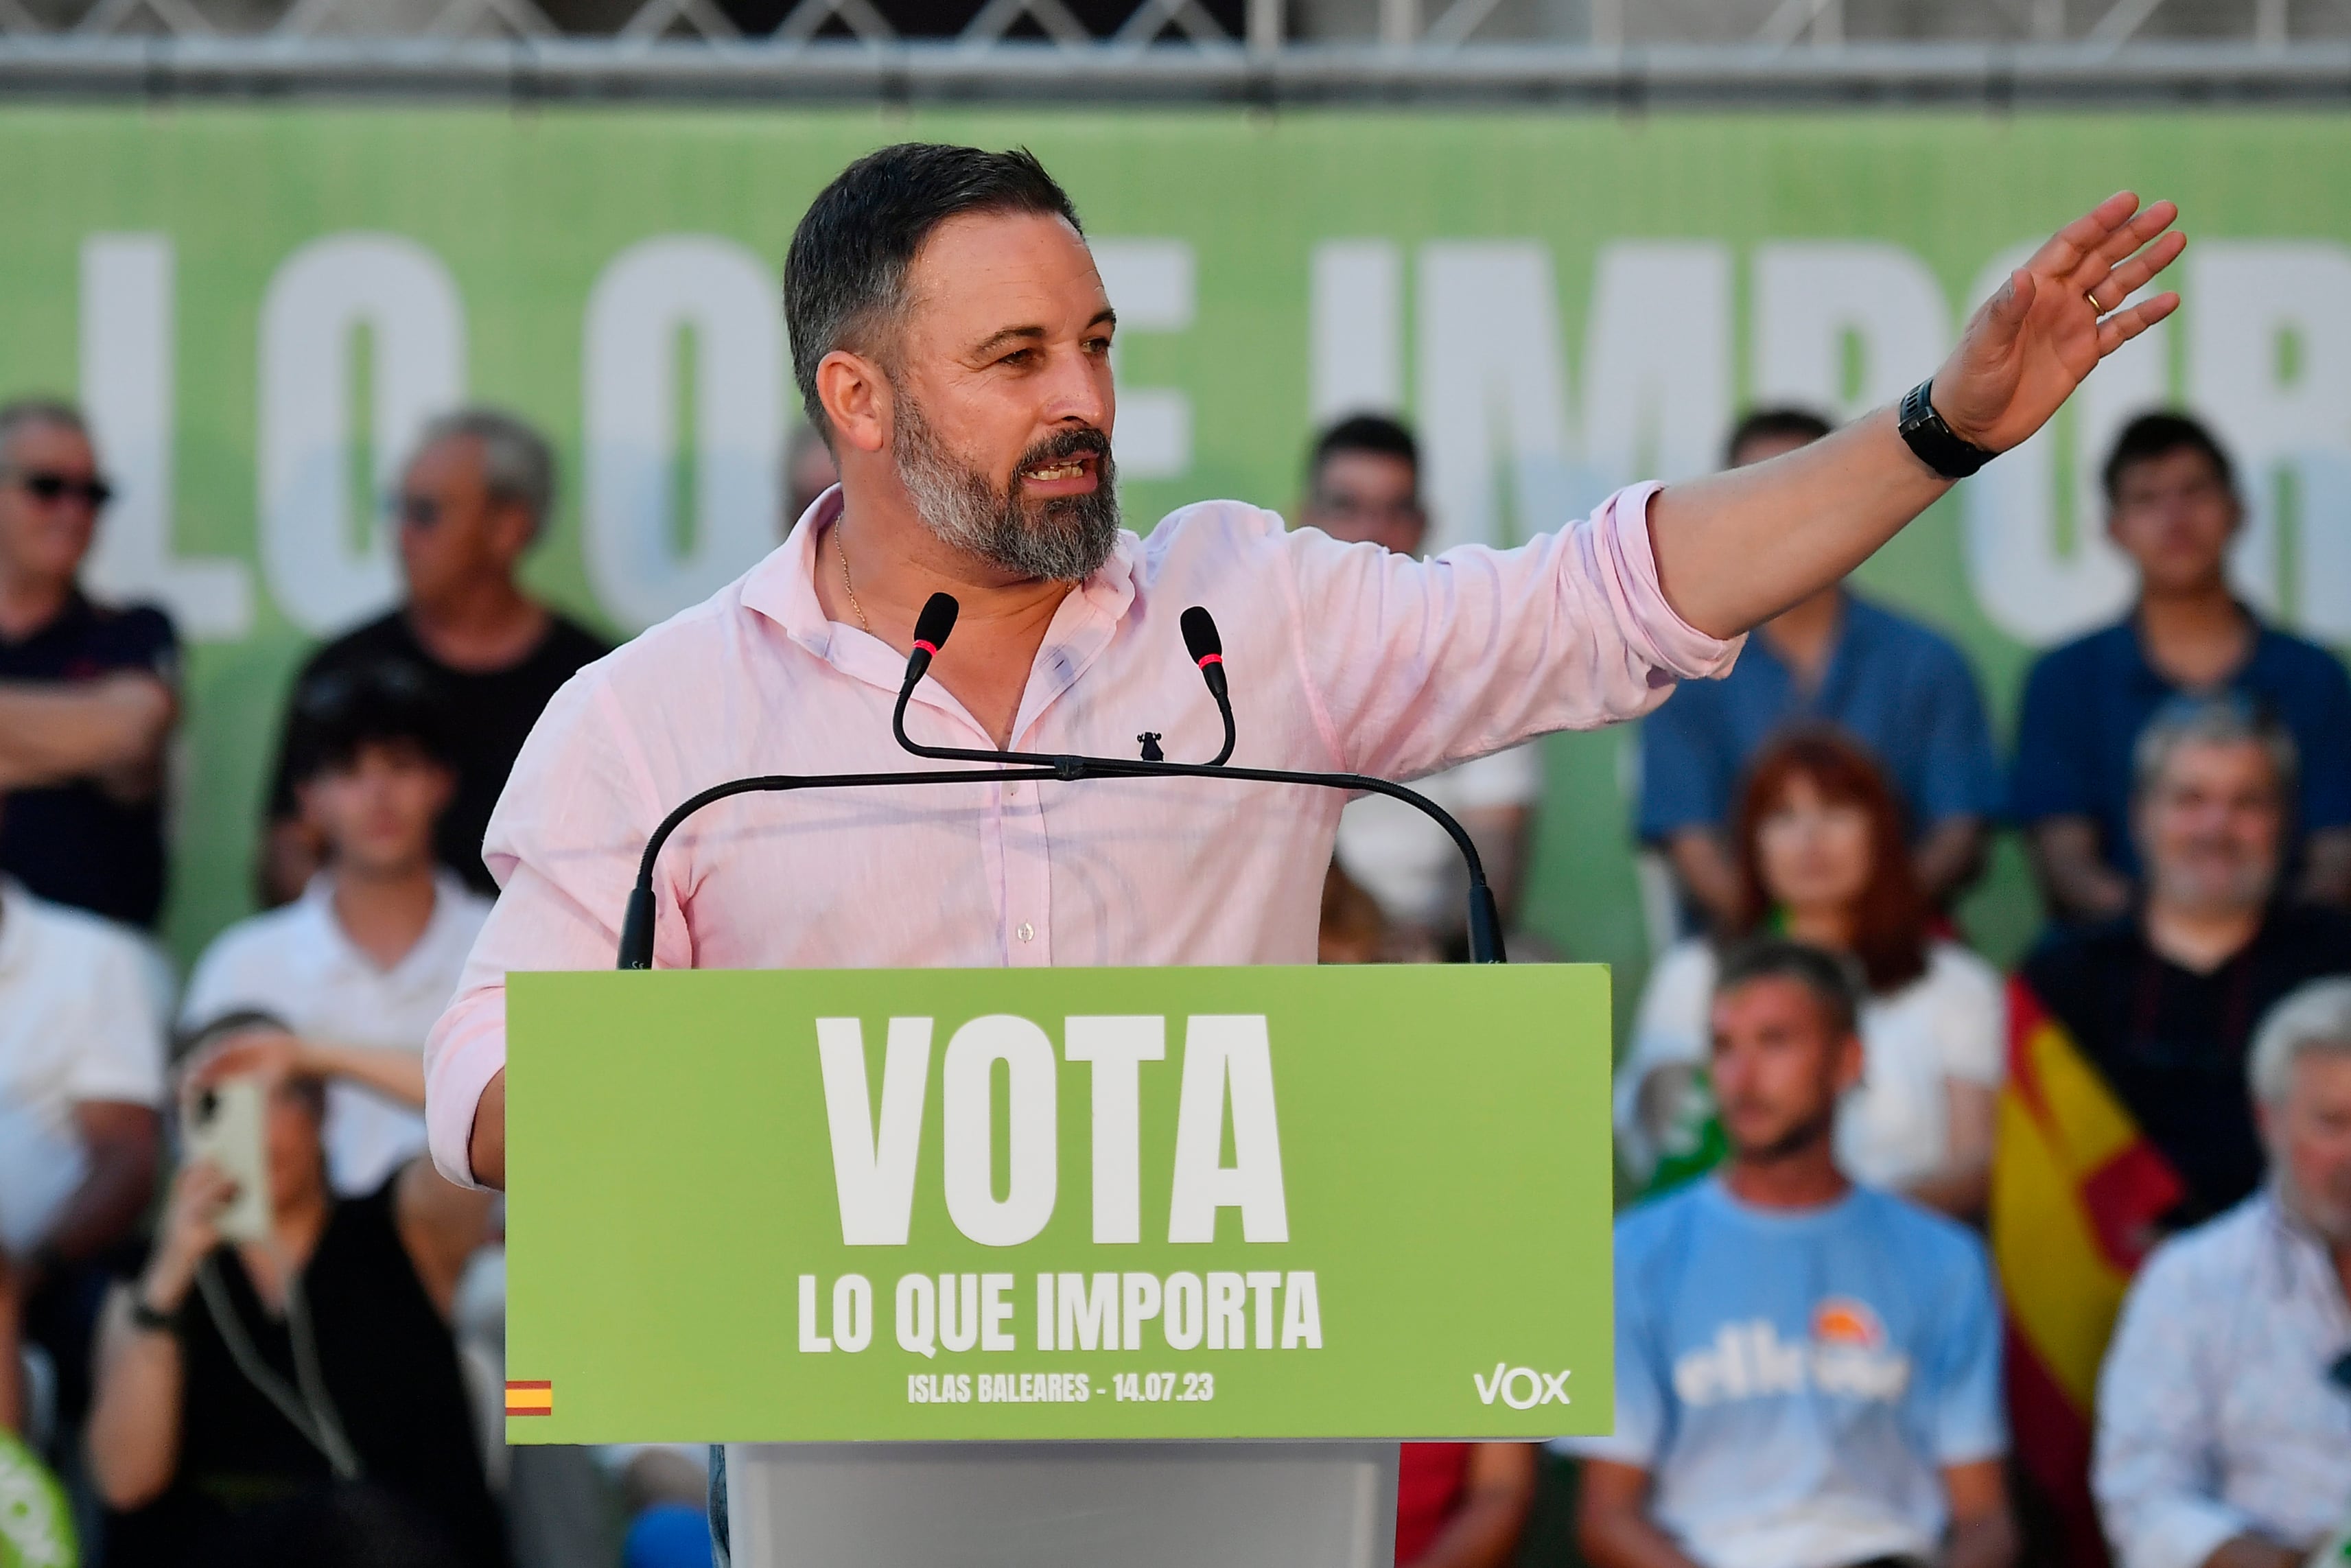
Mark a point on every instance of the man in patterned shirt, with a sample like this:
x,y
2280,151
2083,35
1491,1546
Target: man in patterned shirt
x,y
2224,1407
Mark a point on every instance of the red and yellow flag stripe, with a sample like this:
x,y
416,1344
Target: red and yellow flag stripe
x,y
531,1398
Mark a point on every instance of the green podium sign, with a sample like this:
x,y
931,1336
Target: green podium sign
x,y
955,1204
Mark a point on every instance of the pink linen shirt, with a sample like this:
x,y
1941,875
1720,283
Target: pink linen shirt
x,y
1343,657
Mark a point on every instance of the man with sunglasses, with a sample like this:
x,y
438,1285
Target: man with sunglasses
x,y
88,691
473,500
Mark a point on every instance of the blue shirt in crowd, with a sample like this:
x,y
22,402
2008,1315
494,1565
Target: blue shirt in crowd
x,y
2085,703
1902,691
1795,1381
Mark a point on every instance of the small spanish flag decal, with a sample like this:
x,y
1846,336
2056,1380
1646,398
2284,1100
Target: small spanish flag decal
x,y
530,1399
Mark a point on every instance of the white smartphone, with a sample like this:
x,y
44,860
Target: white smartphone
x,y
225,1127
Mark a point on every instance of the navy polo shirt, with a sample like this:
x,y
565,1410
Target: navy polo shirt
x,y
1904,691
73,843
2085,703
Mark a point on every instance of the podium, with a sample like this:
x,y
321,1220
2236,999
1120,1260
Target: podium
x,y
1059,1267
1012,1505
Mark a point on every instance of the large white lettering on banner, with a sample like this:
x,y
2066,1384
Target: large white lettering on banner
x,y
683,390
1225,1092
1493,402
2269,341
325,566
646,560
128,344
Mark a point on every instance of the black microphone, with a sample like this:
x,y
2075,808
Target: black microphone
x,y
1207,648
932,629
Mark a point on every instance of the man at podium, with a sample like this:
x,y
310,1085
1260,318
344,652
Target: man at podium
x,y
951,339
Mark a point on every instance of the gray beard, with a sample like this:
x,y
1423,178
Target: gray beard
x,y
1065,539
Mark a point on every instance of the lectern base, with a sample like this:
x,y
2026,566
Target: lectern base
x,y
1061,1505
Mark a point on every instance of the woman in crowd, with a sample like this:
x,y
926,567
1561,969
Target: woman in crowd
x,y
280,1400
1823,858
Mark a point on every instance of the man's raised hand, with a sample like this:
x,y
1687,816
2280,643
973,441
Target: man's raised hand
x,y
2032,343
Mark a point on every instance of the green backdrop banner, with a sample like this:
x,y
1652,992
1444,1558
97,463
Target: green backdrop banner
x,y
260,305
1104,1203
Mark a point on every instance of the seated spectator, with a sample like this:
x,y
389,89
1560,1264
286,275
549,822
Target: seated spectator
x,y
88,693
255,1399
2172,506
1901,690
360,965
472,502
1462,1505
2224,1406
1363,486
2162,1002
1352,929
81,1076
1807,1372
665,1496
1819,855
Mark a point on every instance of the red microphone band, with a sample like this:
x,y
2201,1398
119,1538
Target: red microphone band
x,y
930,648
1207,659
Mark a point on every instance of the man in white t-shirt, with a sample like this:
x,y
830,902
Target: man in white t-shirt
x,y
81,1079
1363,486
357,969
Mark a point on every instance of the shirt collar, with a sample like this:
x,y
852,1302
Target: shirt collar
x,y
782,587
317,903
1843,638
71,614
2146,677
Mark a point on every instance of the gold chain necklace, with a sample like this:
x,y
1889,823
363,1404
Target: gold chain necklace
x,y
848,587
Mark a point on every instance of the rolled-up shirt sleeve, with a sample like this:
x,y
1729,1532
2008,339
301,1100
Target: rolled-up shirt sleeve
x,y
563,843
2153,1472
1417,666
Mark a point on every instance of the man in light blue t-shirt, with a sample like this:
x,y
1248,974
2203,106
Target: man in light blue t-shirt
x,y
1807,1372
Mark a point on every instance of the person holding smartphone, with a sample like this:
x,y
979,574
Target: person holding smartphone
x,y
293,1392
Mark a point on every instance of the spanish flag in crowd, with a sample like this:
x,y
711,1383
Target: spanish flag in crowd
x,y
2076,1193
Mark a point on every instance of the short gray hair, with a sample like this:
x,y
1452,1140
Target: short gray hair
x,y
25,413
517,462
2313,1016
2225,720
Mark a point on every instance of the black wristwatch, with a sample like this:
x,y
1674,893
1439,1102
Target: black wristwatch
x,y
1937,445
147,1320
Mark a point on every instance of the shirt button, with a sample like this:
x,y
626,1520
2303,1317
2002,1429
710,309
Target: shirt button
x,y
1012,792
1027,933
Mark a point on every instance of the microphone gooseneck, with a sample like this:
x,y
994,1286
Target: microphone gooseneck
x,y
932,629
1207,651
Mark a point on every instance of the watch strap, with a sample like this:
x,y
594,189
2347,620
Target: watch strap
x,y
1936,443
145,1318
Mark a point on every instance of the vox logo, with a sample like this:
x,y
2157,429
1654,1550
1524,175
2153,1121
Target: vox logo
x,y
1521,1387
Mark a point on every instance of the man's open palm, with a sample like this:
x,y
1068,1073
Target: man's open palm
x,y
2032,343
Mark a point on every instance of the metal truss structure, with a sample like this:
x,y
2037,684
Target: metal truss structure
x,y
1625,53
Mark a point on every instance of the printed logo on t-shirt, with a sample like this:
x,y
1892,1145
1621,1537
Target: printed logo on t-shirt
x,y
1846,1354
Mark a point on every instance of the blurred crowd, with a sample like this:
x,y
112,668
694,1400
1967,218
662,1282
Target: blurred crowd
x,y
1923,1262
1927,1263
